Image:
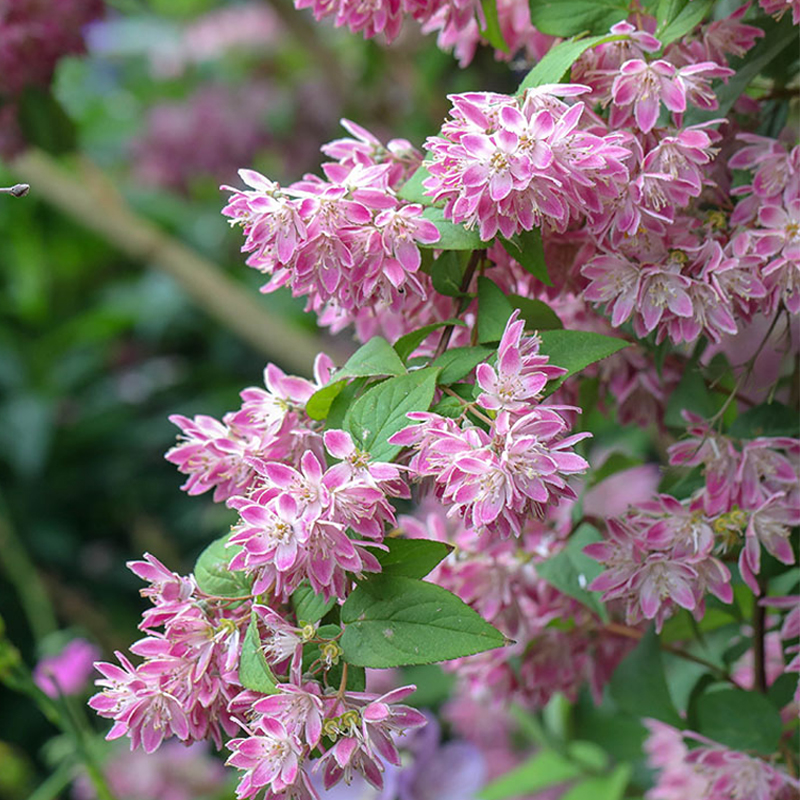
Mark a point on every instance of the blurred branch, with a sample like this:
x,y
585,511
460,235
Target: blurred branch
x,y
17,190
91,200
23,576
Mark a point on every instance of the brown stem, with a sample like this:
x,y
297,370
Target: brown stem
x,y
759,651
635,633
466,280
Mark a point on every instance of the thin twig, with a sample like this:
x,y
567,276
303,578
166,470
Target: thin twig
x,y
466,280
759,650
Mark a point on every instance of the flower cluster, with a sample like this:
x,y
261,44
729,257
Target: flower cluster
x,y
497,478
709,771
349,240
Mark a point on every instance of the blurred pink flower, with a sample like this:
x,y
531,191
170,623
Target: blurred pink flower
x,y
69,671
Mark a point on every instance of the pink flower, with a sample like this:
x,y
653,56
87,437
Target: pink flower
x,y
645,86
68,671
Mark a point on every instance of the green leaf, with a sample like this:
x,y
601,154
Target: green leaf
x,y
687,19
741,720
639,685
381,411
376,357
407,344
414,558
213,575
601,787
309,606
569,17
528,250
768,419
494,309
560,58
413,191
319,404
690,394
459,362
537,314
447,272
393,620
575,350
451,236
778,37
546,768
254,672
356,676
342,402
43,121
492,32
571,570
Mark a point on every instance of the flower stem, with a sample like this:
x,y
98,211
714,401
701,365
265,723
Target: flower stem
x,y
759,650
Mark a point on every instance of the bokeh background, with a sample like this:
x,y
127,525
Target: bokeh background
x,y
102,335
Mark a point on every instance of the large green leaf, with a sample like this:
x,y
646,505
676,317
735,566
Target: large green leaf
x,y
376,357
601,787
393,620
407,344
254,672
309,606
213,575
639,685
537,314
571,570
43,121
741,720
569,17
381,411
546,768
413,191
767,419
560,58
528,250
414,558
451,235
494,309
459,362
684,20
447,273
319,404
690,394
492,32
575,350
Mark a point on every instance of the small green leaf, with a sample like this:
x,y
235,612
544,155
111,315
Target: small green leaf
x,y
690,394
381,411
575,350
393,620
687,19
447,272
494,309
492,32
547,768
413,191
601,787
342,402
639,685
451,235
254,672
571,570
407,344
741,720
537,314
310,607
376,357
459,362
414,558
528,250
560,58
213,575
319,404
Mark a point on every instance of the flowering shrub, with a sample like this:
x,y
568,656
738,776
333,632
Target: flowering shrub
x,y
546,467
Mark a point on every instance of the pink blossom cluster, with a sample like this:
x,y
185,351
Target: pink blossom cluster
x,y
496,478
35,37
789,632
348,240
188,674
752,493
509,164
293,525
709,771
269,425
188,687
777,8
